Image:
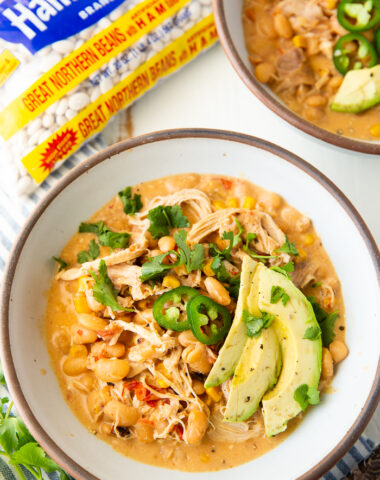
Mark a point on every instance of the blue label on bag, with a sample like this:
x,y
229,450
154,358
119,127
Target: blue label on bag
x,y
38,23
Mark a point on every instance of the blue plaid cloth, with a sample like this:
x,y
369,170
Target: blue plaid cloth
x,y
13,214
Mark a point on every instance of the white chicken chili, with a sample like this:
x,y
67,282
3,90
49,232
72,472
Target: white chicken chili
x,y
168,321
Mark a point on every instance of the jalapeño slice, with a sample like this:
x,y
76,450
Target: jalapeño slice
x,y
352,52
358,15
169,310
209,321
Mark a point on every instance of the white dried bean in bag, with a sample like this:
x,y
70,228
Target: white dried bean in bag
x,y
34,65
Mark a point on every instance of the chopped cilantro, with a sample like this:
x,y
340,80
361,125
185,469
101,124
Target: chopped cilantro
x,y
288,247
191,258
106,237
103,289
256,324
154,269
162,219
305,396
250,237
326,321
316,284
278,293
312,333
62,264
131,204
223,276
284,269
234,286
92,254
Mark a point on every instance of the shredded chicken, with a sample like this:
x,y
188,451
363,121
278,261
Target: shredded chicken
x,y
197,201
122,256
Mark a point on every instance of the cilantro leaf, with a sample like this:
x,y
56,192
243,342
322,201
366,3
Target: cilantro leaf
x,y
327,327
154,269
288,247
192,258
312,333
106,237
2,378
92,254
32,455
278,293
62,264
103,289
13,434
234,286
305,396
256,324
326,321
250,237
131,204
226,252
91,228
163,219
218,267
284,269
113,239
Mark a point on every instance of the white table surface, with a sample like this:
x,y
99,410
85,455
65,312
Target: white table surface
x,y
208,93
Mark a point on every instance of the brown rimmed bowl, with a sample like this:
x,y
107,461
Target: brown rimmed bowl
x,y
228,19
327,430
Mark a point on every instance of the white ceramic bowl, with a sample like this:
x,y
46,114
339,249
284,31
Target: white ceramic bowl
x,y
228,18
327,431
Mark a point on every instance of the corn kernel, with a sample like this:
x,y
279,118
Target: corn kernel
x,y
214,393
375,130
180,270
171,282
233,203
207,270
80,304
331,4
208,401
205,458
162,383
249,203
78,351
82,284
299,41
308,239
301,255
218,204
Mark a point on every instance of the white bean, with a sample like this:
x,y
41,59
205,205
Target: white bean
x,y
63,46
78,101
47,120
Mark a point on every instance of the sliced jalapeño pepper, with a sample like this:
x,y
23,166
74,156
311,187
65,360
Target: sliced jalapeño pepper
x,y
352,52
376,40
169,310
359,15
209,321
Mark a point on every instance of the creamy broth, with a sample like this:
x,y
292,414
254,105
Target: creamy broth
x,y
307,80
212,453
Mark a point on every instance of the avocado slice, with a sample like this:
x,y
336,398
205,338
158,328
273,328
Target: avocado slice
x,y
258,367
230,353
256,373
301,358
359,91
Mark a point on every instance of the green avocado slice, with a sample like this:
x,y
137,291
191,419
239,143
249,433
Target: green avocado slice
x,y
256,372
359,91
258,367
229,354
301,357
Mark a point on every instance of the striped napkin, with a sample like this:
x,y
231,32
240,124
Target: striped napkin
x,y
13,213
